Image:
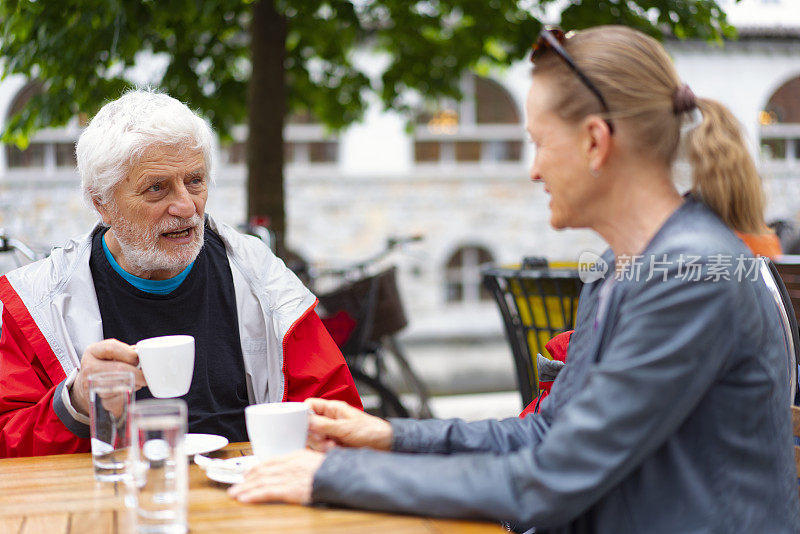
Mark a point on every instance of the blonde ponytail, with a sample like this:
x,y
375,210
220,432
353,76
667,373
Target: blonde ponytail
x,y
724,175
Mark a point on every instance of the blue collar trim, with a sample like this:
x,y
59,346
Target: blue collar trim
x,y
158,287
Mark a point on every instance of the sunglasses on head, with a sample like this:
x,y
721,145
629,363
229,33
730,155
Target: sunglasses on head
x,y
553,38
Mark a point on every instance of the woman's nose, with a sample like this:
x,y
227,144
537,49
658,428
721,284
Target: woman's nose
x,y
534,173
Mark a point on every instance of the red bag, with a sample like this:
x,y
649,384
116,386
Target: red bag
x,y
557,347
340,326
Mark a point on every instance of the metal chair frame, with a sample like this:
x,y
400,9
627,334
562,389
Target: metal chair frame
x,y
517,292
770,273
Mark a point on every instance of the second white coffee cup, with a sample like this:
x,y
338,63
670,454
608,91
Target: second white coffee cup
x,y
167,363
276,428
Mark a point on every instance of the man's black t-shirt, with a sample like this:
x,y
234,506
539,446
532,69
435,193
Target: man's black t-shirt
x,y
203,306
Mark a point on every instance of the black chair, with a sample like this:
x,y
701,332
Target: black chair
x,y
536,303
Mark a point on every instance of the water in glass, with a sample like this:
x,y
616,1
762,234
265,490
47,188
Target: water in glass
x,y
110,398
159,467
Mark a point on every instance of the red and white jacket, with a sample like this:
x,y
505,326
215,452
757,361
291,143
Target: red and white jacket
x,y
50,315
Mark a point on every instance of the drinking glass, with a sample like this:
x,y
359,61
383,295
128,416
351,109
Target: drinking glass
x,y
159,482
111,396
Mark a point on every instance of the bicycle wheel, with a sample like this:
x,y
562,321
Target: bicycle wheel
x,y
377,399
414,384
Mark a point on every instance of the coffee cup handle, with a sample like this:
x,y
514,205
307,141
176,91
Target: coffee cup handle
x,y
138,363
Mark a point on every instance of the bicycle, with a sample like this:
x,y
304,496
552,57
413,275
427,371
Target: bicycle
x,y
363,314
15,247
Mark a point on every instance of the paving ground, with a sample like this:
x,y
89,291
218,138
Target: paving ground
x,y
472,407
463,366
469,379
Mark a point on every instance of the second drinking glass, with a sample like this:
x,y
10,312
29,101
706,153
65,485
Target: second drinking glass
x,y
158,484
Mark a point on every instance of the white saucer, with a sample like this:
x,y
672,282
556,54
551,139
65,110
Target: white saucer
x,y
225,477
202,443
227,471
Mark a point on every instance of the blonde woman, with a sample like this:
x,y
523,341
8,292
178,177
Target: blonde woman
x,y
672,414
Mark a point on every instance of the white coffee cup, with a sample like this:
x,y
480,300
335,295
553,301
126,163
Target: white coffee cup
x,y
276,428
167,363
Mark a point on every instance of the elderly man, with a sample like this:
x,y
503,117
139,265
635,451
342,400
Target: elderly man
x,y
156,265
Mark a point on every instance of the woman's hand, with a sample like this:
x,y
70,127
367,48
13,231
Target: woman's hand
x,y
337,423
289,478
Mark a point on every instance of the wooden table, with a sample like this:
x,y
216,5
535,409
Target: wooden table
x,y
58,494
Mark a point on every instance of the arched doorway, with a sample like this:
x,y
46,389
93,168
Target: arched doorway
x,y
463,275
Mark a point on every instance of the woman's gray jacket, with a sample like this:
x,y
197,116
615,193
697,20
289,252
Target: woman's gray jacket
x,y
671,415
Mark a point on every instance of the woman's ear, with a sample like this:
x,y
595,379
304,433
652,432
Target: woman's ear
x,y
598,142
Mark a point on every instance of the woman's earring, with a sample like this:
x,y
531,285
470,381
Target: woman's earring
x,y
595,172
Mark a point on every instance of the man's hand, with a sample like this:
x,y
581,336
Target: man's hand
x,y
106,355
337,423
289,478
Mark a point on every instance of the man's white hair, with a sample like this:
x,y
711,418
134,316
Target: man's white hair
x,y
124,129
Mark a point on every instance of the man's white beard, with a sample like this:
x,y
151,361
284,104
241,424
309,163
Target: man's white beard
x,y
140,245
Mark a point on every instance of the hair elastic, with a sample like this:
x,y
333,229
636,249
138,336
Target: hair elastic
x,y
683,100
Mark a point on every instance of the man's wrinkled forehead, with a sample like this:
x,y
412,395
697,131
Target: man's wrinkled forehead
x,y
181,155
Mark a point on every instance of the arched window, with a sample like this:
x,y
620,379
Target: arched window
x,y
33,155
24,96
493,104
485,127
463,275
38,154
780,124
305,142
